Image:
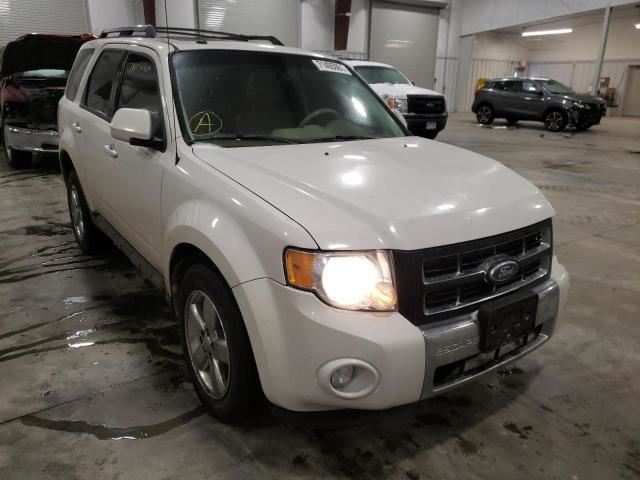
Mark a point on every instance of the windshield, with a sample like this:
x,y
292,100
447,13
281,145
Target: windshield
x,y
243,98
556,87
44,73
382,75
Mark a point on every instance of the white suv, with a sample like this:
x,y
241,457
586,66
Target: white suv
x,y
311,249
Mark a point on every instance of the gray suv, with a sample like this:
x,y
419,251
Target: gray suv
x,y
541,99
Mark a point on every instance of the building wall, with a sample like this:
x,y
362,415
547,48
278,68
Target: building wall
x,y
181,13
114,13
584,41
318,24
484,15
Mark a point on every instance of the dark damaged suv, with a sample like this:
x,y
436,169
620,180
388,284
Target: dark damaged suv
x,y
541,99
33,73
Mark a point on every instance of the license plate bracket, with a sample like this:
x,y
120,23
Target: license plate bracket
x,y
507,319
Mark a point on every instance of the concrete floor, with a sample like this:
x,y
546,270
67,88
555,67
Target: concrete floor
x,y
92,385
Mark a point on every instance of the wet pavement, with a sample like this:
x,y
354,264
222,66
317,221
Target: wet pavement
x,y
92,384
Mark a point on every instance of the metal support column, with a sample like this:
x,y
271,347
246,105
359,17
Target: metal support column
x,y
603,46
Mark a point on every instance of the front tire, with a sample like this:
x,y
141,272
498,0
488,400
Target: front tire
x,y
555,121
89,238
485,114
583,126
216,346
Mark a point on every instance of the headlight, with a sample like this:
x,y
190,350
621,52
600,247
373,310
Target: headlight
x,y
581,105
348,280
400,104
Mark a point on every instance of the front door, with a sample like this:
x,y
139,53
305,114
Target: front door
x,y
529,103
136,170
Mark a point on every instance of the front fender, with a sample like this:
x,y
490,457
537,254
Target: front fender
x,y
242,234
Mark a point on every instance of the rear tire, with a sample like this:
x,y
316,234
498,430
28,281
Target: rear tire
x,y
89,238
485,114
555,121
216,346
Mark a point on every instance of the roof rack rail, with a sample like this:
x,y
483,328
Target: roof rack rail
x,y
136,31
216,35
151,32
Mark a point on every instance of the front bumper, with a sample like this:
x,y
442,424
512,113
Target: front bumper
x,y
297,341
591,116
31,139
417,124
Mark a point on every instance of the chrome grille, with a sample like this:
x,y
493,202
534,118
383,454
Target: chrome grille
x,y
452,279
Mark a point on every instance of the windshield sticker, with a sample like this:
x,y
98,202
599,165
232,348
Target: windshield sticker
x,y
325,66
205,123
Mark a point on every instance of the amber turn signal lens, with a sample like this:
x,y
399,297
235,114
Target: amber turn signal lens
x,y
300,268
391,103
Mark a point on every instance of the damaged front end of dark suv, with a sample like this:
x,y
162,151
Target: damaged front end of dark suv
x,y
33,75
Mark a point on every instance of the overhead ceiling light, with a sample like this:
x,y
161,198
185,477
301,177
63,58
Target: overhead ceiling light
x,y
637,26
547,32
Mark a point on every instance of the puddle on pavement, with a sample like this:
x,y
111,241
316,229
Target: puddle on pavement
x,y
48,229
103,432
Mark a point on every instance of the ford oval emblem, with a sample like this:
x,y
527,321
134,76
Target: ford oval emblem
x,y
503,271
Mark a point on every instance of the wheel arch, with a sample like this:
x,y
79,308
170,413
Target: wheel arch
x,y
66,164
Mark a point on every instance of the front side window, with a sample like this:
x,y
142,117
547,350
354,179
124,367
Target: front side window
x,y
79,66
139,89
100,84
556,87
245,98
382,75
529,87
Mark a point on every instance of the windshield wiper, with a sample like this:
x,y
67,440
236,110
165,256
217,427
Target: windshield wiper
x,y
249,137
340,138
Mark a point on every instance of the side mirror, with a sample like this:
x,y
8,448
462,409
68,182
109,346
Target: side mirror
x,y
131,125
538,93
400,116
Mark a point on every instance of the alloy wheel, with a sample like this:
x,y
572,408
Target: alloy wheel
x,y
484,114
76,212
554,121
207,344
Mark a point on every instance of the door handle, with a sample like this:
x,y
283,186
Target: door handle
x,y
111,151
76,127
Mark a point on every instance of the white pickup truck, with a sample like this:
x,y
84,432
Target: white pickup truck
x,y
311,248
424,110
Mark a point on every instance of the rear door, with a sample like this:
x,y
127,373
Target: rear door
x,y
93,127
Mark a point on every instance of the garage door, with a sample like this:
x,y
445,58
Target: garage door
x,y
261,17
51,16
405,36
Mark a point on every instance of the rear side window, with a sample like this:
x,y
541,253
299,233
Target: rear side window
x,y
101,81
79,66
139,89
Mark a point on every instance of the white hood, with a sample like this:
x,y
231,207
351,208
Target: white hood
x,y
399,193
401,90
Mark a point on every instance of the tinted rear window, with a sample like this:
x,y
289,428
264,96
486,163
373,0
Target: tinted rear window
x,y
79,66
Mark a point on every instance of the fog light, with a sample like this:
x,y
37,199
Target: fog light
x,y
341,377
